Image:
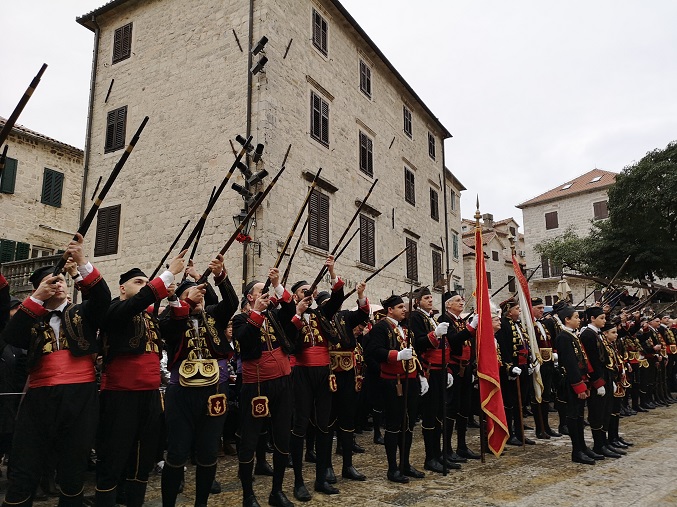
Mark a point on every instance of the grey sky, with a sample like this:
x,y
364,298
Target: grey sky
x,y
535,92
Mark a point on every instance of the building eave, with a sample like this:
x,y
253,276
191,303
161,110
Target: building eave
x,y
562,198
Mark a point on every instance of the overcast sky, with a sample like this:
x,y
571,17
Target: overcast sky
x,y
535,92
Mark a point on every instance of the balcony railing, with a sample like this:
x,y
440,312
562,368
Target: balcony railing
x,y
18,272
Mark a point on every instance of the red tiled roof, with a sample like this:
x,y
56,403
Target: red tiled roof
x,y
596,179
23,130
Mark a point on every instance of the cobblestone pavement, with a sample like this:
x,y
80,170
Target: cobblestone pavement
x,y
537,475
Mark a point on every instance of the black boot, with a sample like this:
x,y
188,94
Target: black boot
x,y
105,498
577,454
246,472
170,483
563,428
296,451
348,470
409,470
378,437
136,493
323,444
204,477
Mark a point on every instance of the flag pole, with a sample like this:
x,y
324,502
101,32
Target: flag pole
x,y
477,353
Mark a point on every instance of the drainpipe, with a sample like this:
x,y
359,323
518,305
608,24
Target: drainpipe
x,y
245,256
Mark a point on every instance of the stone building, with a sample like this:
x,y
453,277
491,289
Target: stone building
x,y
40,203
496,238
319,84
575,204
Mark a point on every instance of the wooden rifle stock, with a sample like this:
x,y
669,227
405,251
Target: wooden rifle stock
x,y
324,268
293,254
89,218
7,128
164,257
377,272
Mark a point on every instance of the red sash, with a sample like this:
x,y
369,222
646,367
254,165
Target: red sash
x,y
61,367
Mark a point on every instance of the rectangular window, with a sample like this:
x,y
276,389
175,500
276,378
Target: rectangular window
x,y
407,121
511,283
545,266
600,210
409,187
454,245
52,188
488,280
365,79
431,145
319,119
412,260
107,231
8,181
116,126
318,220
319,32
434,207
548,300
555,269
122,43
23,251
367,241
513,232
366,154
7,249
452,201
551,220
437,268
494,255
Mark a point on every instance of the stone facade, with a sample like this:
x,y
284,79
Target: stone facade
x,y
35,228
187,73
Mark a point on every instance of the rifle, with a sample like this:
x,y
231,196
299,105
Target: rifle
x,y
347,244
197,241
164,257
323,270
87,221
376,273
293,253
614,278
3,158
508,282
9,124
293,227
239,228
217,194
406,380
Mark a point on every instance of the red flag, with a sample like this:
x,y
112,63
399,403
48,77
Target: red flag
x,y
487,359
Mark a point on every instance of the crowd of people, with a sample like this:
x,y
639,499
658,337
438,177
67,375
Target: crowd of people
x,y
283,369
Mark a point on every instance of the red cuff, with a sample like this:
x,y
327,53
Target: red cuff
x,y
190,303
471,329
434,340
158,288
180,312
33,309
339,283
579,388
598,383
365,308
3,282
286,296
392,356
297,322
90,281
256,319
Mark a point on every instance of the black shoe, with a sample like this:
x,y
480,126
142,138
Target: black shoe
x,y
301,493
618,444
263,468
433,466
352,474
592,454
455,458
651,405
311,457
607,453
528,441
623,441
467,453
326,488
357,448
617,450
397,476
527,427
452,465
514,441
640,408
586,423
378,440
543,435
410,471
330,476
563,429
279,499
251,501
581,457
553,433
216,488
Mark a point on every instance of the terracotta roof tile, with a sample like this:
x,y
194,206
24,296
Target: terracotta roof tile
x,y
23,130
592,180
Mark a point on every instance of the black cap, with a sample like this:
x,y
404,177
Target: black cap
x,y
392,301
13,303
423,291
594,311
298,285
607,326
248,288
322,297
132,273
536,301
566,312
508,304
448,295
243,302
186,284
559,305
39,274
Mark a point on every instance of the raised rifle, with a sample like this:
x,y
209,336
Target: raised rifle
x,y
87,221
3,159
610,284
164,257
293,254
197,241
7,128
376,273
323,270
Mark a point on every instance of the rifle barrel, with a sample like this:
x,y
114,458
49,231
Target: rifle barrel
x,y
293,253
164,257
376,272
9,124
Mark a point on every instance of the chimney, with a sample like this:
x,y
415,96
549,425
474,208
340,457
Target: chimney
x,y
488,220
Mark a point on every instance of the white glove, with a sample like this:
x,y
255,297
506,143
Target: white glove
x,y
530,370
472,379
450,380
424,385
516,371
405,354
441,329
555,357
601,391
615,387
474,321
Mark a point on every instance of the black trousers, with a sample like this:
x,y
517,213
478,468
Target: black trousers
x,y
128,436
280,403
393,405
344,402
599,408
60,421
189,426
547,376
312,398
461,394
431,402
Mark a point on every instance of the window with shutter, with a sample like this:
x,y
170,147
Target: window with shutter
x,y
367,241
513,232
551,221
454,246
409,187
319,32
116,126
23,250
494,255
366,154
548,300
437,268
7,249
319,119
407,121
431,145
8,181
488,280
107,231
600,210
122,43
511,283
545,266
365,79
434,207
412,260
318,220
52,188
